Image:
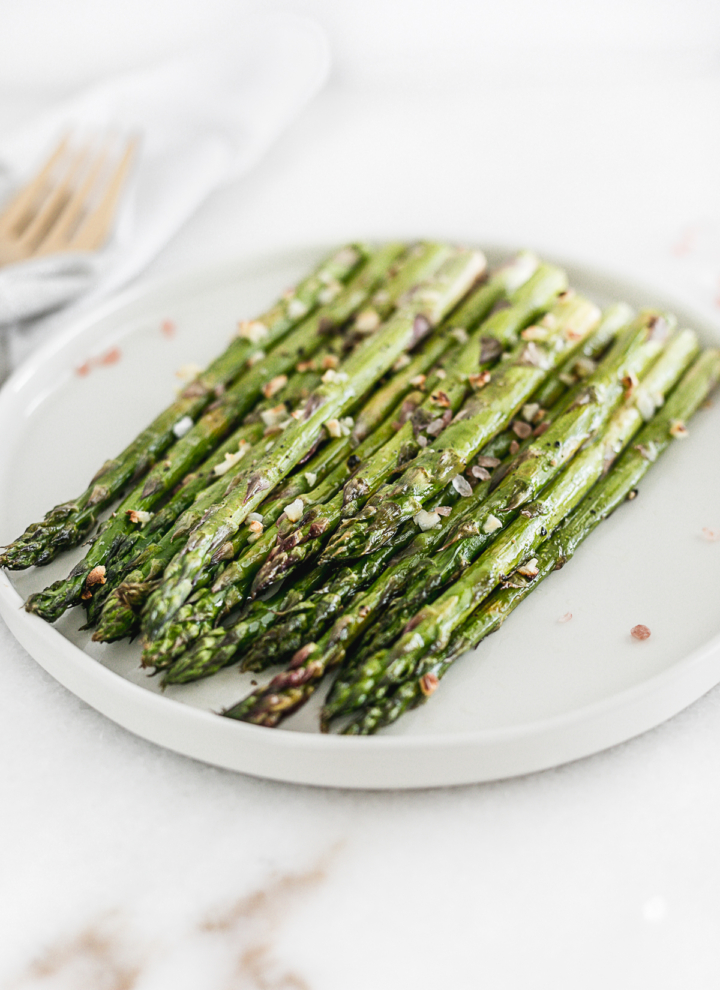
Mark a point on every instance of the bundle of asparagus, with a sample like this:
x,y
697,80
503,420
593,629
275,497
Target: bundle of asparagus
x,y
374,474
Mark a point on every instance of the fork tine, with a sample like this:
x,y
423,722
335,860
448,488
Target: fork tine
x,y
41,223
96,226
24,199
57,238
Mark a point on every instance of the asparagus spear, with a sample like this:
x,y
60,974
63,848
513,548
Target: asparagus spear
x,y
68,523
602,500
435,623
232,405
306,541
358,373
490,410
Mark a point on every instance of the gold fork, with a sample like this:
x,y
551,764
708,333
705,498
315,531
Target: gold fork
x,y
69,205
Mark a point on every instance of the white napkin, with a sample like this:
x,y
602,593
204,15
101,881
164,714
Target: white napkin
x,y
203,119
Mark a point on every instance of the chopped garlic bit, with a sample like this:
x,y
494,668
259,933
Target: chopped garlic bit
x,y
330,361
479,472
567,379
402,362
492,523
630,381
426,520
429,683
186,372
274,416
139,516
331,376
255,526
479,380
535,333
294,511
460,334
529,411
549,321
327,294
462,486
520,429
530,569
182,427
255,517
305,366
255,357
566,617
231,459
532,355
274,385
678,429
418,381
441,373
340,427
252,330
297,414
422,441
436,427
367,321
311,478
443,510
645,404
296,308
96,576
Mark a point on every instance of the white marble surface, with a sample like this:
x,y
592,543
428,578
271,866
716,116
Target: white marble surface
x,y
124,866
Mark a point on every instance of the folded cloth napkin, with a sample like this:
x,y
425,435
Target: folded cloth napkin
x,y
203,120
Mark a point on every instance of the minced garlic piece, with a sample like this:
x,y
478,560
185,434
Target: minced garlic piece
x,y
535,333
330,291
678,430
231,459
340,427
252,330
426,520
368,321
311,478
530,569
274,416
492,523
331,376
296,308
139,516
182,427
274,385
295,510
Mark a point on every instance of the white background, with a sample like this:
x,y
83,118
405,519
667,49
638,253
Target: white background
x,y
588,130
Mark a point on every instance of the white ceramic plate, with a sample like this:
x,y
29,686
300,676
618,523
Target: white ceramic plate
x,y
536,694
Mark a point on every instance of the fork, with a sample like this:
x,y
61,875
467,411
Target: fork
x,y
69,205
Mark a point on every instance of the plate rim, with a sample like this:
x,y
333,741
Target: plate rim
x,y
354,763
